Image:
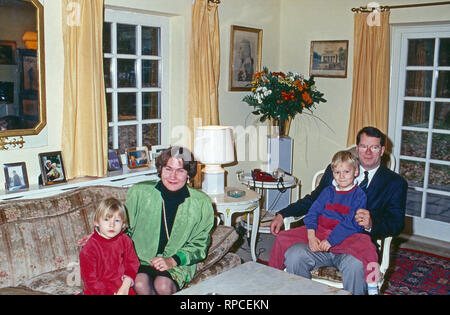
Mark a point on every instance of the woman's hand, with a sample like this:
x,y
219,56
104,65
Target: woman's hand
x,y
81,242
163,264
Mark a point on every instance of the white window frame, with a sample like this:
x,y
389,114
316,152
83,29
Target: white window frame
x,y
115,16
399,45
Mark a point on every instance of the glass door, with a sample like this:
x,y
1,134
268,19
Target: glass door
x,y
420,124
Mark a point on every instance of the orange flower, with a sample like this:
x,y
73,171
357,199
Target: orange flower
x,y
307,98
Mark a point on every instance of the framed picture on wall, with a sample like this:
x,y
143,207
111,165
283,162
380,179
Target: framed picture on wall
x,y
245,56
52,168
16,178
138,157
7,52
329,58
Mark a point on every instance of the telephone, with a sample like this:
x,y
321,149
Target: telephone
x,y
261,176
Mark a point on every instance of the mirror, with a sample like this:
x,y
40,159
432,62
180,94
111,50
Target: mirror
x,y
22,78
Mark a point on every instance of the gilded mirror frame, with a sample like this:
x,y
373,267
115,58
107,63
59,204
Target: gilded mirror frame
x,y
41,66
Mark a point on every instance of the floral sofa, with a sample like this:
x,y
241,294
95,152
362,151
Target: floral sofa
x,y
38,240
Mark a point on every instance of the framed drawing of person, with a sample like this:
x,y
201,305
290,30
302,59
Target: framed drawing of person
x,y
16,178
52,168
245,56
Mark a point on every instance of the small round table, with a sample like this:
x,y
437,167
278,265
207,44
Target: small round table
x,y
227,206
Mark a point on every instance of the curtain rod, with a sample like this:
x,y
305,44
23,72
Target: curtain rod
x,y
387,8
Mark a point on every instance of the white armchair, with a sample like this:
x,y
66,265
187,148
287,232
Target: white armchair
x,y
330,275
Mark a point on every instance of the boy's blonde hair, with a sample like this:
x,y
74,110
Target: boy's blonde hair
x,y
344,156
108,207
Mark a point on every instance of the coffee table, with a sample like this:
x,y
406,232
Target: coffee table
x,y
253,278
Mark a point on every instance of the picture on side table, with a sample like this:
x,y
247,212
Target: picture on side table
x,y
16,178
52,168
245,56
329,58
138,157
114,161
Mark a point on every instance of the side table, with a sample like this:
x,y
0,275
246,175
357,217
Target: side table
x,y
227,206
261,187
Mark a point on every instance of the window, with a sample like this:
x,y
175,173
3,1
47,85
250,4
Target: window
x,y
135,48
420,121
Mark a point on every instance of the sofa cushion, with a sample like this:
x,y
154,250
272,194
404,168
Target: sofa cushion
x,y
59,282
222,239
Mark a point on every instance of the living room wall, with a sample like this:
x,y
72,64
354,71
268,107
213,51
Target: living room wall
x,y
288,27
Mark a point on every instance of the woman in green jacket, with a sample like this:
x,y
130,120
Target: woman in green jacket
x,y
170,224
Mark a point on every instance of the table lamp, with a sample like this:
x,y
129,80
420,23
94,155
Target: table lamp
x,y
213,146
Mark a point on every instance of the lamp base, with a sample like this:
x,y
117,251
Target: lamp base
x,y
213,183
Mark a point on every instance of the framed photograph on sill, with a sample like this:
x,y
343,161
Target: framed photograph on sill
x,y
52,168
16,178
138,157
329,58
245,56
114,161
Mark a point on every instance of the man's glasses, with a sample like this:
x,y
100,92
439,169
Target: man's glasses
x,y
372,148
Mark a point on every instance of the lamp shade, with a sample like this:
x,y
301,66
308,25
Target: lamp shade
x,y
214,145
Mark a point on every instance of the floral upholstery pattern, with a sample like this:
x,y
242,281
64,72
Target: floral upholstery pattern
x,y
38,239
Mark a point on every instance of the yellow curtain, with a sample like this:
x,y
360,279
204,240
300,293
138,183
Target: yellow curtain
x,y
204,66
370,96
85,130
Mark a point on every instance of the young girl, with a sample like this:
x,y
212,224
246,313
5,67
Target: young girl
x,y
108,261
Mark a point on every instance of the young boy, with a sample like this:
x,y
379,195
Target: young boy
x,y
108,261
330,223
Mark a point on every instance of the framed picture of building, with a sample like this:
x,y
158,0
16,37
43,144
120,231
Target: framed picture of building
x,y
329,58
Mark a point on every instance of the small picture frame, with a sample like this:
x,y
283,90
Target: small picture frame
x,y
7,52
138,157
329,58
16,178
245,56
114,161
52,168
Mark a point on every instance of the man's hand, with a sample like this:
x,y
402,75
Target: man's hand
x,y
313,241
324,246
163,264
363,218
276,225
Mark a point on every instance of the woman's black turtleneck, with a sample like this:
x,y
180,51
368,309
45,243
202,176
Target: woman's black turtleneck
x,y
171,199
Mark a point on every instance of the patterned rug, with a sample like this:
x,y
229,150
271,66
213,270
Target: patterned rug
x,y
418,273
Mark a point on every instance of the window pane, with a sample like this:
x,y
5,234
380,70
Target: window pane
x,y
443,85
151,134
127,106
150,41
416,114
418,83
126,73
437,208
109,106
414,202
107,71
414,143
444,52
127,137
420,52
413,172
126,39
110,138
151,108
442,116
150,73
440,148
439,177
107,37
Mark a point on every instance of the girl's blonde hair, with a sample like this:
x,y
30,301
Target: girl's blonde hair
x,y
108,208
344,156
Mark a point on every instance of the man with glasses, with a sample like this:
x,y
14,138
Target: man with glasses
x,y
384,216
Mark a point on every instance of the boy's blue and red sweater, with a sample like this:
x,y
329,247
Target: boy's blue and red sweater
x,y
335,212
